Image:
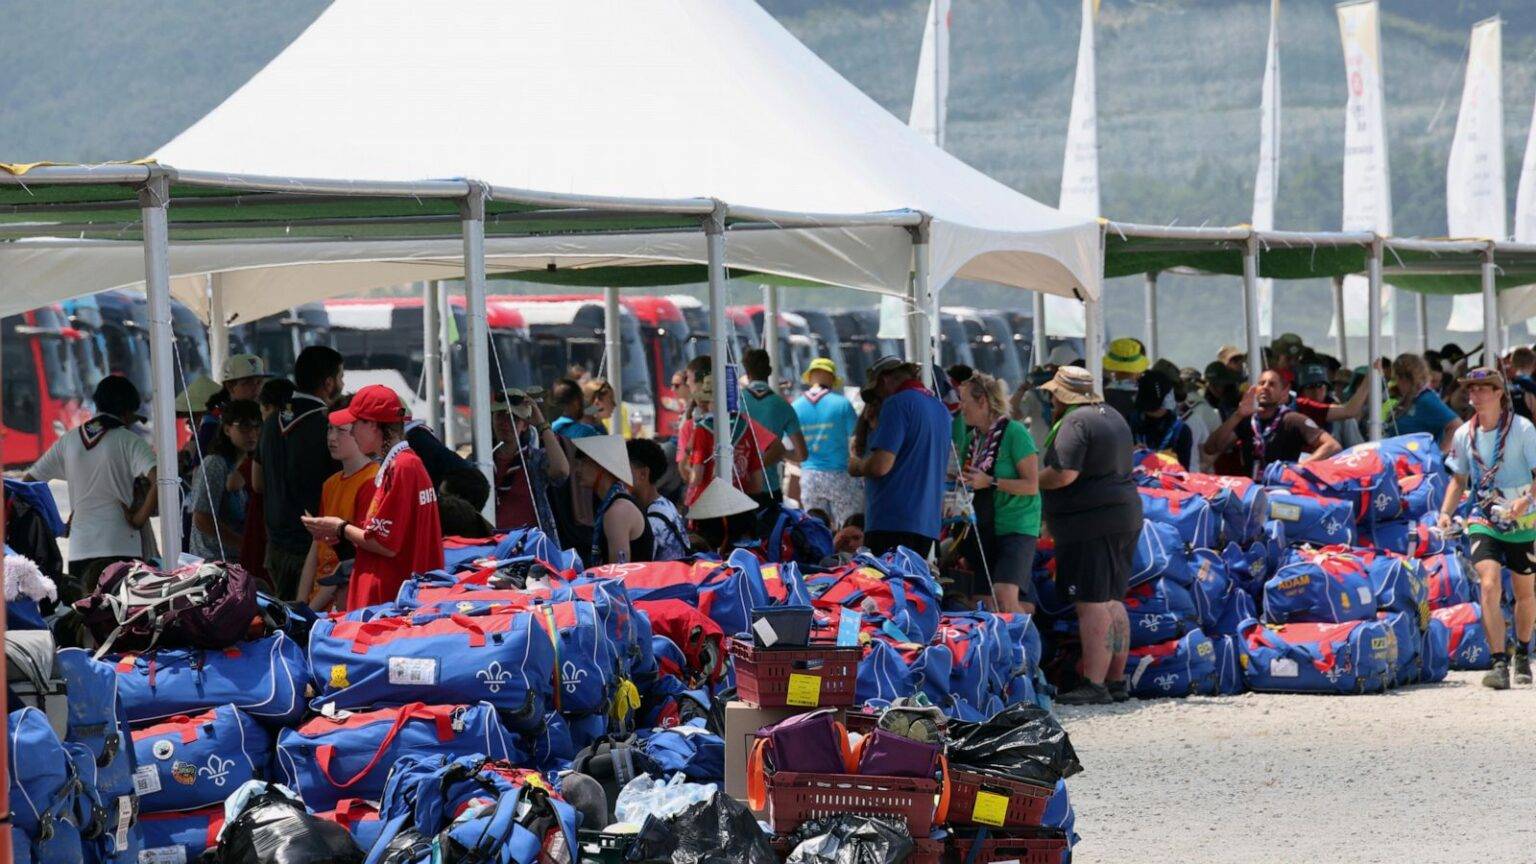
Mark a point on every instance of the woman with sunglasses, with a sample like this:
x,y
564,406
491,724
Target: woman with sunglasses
x,y
1493,459
219,494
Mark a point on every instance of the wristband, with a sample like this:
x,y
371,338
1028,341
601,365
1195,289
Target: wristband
x,y
341,531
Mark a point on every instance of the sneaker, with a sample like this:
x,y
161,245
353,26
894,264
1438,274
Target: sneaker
x,y
1498,677
1118,690
1523,669
1089,693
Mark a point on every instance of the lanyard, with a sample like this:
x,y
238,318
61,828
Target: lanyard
x,y
1050,437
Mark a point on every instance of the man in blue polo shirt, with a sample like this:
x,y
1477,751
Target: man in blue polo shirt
x,y
903,460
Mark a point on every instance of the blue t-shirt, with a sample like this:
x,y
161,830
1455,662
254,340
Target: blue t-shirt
x,y
1429,413
828,426
1515,471
774,414
914,425
573,429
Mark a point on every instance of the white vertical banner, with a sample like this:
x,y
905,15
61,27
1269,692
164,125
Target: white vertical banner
x,y
1525,212
1266,184
1367,175
1080,169
1474,176
930,93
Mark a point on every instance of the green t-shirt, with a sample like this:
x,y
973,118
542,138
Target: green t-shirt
x,y
1012,514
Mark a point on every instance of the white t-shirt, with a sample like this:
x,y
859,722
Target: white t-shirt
x,y
100,485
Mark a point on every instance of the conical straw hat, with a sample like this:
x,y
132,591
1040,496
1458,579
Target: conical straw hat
x,y
608,451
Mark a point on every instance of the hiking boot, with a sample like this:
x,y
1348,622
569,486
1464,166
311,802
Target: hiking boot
x,y
1118,691
1523,669
1089,693
1498,677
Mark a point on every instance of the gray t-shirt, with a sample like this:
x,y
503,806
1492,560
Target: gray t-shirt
x,y
1095,441
210,494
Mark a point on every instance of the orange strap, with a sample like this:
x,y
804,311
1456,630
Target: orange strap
x,y
941,813
757,775
850,759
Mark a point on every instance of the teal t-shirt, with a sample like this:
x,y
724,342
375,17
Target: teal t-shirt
x,y
1514,474
827,423
773,413
1012,514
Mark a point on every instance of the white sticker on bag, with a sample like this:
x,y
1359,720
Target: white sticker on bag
x,y
163,855
413,671
1364,594
146,781
1286,512
124,821
1284,667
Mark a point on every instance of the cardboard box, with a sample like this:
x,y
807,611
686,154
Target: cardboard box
x,y
741,724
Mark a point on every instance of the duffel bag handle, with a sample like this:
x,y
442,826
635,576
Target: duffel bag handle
x,y
414,711
476,632
350,811
367,634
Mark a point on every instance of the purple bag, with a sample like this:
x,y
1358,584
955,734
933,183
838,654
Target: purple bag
x,y
136,607
814,743
885,754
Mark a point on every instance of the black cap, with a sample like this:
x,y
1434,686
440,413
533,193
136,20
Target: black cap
x,y
116,396
1151,390
1312,375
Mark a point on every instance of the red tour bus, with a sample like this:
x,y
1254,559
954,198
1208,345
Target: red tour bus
x,y
42,388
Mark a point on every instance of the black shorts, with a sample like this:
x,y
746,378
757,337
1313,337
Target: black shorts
x,y
1008,559
881,542
1518,557
1096,570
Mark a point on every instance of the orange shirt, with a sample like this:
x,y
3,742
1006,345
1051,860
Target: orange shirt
x,y
347,497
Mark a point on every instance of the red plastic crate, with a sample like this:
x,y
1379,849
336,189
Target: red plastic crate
x,y
1025,807
1016,849
924,851
794,798
819,676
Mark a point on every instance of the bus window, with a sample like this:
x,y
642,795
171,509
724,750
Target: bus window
x,y
58,356
23,410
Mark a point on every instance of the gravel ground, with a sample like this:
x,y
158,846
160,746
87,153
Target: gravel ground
x,y
1432,773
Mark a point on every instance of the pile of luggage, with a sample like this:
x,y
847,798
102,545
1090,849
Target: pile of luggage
x,y
1329,577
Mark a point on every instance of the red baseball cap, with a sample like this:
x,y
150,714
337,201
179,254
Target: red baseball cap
x,y
375,403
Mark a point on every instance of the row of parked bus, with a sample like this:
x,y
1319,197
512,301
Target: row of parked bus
x,y
53,356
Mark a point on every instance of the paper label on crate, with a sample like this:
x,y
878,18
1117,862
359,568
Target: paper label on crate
x,y
849,626
1284,667
765,633
146,781
413,671
990,809
124,820
804,690
163,855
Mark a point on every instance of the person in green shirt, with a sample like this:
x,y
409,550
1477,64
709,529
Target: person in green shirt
x,y
999,464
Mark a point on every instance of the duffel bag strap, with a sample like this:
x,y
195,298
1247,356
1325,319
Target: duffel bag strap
x,y
976,844
941,812
476,632
413,711
757,775
554,640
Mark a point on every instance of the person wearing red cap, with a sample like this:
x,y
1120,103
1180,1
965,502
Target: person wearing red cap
x,y
400,534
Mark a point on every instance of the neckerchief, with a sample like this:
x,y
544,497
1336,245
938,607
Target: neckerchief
x,y
1262,432
614,492
913,384
389,459
1486,473
984,448
759,389
290,415
96,428
815,394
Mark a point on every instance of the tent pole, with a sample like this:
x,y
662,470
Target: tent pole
x,y
154,198
1093,328
218,327
473,227
1341,338
914,305
445,331
1492,350
1255,346
771,329
1037,338
1151,300
928,317
1420,309
714,236
613,347
431,354
1373,338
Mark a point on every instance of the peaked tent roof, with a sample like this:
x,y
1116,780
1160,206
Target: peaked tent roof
x,y
654,99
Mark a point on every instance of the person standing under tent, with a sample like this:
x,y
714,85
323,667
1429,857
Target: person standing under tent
x,y
449,471
647,464
220,495
908,458
1124,363
1287,351
1493,460
346,495
827,421
1002,469
697,370
1314,400
754,449
1266,429
1158,426
620,531
100,460
1093,513
400,532
295,462
764,405
574,420
525,469
1418,408
274,394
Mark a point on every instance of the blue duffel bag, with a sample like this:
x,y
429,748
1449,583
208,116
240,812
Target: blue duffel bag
x,y
265,678
1311,519
1404,627
1198,525
1398,583
1229,666
108,834
1160,553
688,748
1449,580
98,720
46,821
1416,538
195,762
1175,668
176,837
461,553
506,659
349,755
884,675
1466,636
1322,587
1422,494
1159,611
1435,651
1352,657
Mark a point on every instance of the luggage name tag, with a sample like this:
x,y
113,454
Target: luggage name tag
x,y
804,690
1285,512
330,712
146,780
163,855
990,808
124,821
1284,667
413,671
849,625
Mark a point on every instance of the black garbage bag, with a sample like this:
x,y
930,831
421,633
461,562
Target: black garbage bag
x,y
276,829
720,831
1022,741
850,839
655,842
407,847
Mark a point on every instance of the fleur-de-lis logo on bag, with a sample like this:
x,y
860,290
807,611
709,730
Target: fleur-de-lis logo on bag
x,y
494,676
216,769
1166,682
571,674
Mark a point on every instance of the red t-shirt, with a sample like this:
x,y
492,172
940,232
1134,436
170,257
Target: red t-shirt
x,y
402,517
1314,410
751,439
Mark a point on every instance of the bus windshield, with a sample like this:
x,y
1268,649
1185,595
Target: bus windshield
x,y
58,356
510,360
